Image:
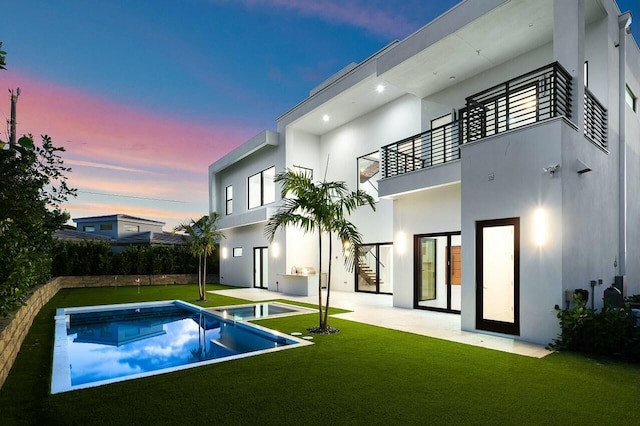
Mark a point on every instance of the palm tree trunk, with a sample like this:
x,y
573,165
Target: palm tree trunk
x,y
319,276
204,279
200,275
326,308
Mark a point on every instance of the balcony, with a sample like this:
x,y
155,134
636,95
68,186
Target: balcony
x,y
539,95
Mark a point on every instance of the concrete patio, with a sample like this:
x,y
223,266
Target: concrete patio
x,y
377,309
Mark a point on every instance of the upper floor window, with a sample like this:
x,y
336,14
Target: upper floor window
x,y
237,252
585,73
229,199
632,99
106,227
88,228
131,228
369,173
262,189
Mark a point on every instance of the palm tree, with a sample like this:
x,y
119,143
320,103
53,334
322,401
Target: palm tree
x,y
321,207
204,235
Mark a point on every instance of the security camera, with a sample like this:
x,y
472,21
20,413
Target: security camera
x,y
551,169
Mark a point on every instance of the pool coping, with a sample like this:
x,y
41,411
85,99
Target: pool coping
x,y
61,373
299,310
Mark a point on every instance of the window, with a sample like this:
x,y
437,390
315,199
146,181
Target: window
x,y
229,199
632,99
262,189
304,171
585,73
369,173
106,227
131,228
88,228
237,252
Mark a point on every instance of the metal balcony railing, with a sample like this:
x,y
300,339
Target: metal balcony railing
x,y
435,146
595,119
536,96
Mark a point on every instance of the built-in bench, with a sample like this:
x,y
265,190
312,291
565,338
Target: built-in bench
x,y
302,281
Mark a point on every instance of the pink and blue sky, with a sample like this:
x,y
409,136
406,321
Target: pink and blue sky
x,y
145,94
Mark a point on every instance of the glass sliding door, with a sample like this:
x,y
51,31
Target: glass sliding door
x,y
261,267
438,272
498,275
374,272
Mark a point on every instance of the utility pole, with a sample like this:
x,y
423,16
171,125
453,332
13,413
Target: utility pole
x,y
12,122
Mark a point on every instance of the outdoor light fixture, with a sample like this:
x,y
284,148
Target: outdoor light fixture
x,y
325,118
275,250
401,242
551,169
581,167
540,227
225,253
379,88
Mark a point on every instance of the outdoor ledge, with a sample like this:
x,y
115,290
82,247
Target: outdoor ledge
x,y
429,177
260,214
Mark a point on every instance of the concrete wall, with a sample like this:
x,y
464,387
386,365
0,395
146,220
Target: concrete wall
x,y
518,188
431,211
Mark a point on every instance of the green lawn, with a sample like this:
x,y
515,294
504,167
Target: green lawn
x,y
362,375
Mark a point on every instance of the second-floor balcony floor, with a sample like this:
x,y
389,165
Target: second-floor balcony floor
x,y
536,96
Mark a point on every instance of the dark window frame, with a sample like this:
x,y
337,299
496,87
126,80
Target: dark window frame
x,y
236,252
261,174
228,208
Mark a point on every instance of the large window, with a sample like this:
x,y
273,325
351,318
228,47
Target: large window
x,y
305,171
369,173
229,199
262,189
106,227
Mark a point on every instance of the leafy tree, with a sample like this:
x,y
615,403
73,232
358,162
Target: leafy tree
x,y
2,56
33,187
320,207
203,237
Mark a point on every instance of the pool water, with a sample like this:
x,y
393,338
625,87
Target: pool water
x,y
258,310
105,344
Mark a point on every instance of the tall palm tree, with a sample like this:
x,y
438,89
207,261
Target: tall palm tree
x,y
322,207
204,235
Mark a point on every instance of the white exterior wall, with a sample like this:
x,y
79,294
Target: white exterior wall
x,y
392,122
518,189
424,212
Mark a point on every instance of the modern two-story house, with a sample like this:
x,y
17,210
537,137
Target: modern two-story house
x,y
502,143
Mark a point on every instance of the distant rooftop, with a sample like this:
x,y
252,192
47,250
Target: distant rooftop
x,y
115,217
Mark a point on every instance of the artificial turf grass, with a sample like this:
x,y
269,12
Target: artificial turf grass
x,y
364,374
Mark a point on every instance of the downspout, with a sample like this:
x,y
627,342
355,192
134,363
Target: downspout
x,y
624,21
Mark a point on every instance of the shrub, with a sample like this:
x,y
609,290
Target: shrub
x,y
610,332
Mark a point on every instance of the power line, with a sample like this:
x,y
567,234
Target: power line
x,y
131,196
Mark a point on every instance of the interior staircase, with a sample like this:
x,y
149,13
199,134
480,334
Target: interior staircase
x,y
367,274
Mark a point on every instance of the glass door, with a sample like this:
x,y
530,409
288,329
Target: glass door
x,y
498,275
261,267
438,271
374,272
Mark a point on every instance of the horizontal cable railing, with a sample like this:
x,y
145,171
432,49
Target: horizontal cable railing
x,y
595,119
538,95
435,146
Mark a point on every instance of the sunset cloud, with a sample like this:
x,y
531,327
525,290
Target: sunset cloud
x,y
123,159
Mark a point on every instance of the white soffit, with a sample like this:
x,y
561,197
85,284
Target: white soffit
x,y
347,105
506,32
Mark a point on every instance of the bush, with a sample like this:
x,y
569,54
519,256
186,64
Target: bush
x,y
97,258
610,332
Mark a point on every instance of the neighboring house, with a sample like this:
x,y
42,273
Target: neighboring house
x,y
122,230
502,141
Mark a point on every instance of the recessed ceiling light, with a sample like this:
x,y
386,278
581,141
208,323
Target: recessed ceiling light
x,y
453,77
379,88
325,118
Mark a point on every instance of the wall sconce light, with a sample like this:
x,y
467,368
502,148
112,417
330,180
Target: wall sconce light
x,y
400,244
225,253
540,227
275,250
551,169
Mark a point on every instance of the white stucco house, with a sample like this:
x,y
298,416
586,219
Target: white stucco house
x,y
502,142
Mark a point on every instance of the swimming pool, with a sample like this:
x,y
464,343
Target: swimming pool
x,y
261,310
97,345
